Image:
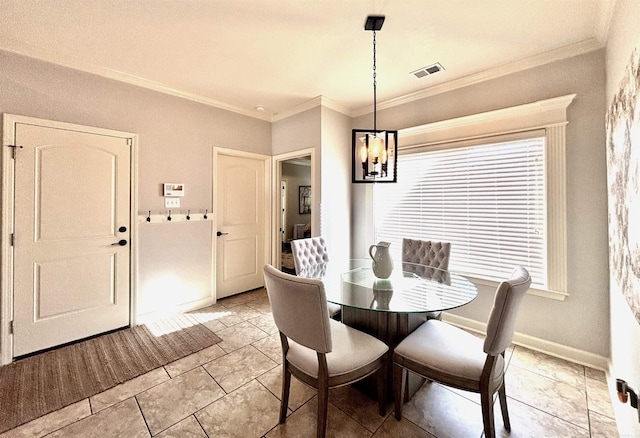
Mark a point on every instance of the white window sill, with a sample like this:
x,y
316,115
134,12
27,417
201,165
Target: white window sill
x,y
551,294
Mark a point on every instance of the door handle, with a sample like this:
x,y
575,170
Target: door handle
x,y
122,242
220,233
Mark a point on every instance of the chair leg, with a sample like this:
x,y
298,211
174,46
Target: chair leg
x,y
284,400
323,402
399,379
486,400
382,386
502,394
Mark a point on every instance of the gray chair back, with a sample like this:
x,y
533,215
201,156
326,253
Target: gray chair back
x,y
426,252
299,309
314,271
430,261
506,303
309,252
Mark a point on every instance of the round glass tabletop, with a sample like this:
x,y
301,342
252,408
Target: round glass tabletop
x,y
411,288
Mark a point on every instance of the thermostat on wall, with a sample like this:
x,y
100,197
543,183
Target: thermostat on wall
x,y
173,189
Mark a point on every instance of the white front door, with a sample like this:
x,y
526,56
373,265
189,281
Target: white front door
x,y
241,216
72,231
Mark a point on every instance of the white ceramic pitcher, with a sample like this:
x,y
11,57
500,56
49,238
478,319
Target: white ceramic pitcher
x,y
382,263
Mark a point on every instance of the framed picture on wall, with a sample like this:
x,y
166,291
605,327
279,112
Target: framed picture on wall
x,y
304,200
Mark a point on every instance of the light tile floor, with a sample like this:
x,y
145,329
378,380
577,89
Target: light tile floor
x,y
232,389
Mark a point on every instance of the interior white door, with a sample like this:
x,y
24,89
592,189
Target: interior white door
x,y
71,246
240,218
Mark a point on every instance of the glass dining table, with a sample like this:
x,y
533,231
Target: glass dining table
x,y
411,288
390,309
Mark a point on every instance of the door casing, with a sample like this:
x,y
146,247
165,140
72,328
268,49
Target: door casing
x,y
7,218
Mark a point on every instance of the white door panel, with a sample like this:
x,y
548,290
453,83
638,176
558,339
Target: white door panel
x,y
61,285
72,196
241,217
61,216
245,250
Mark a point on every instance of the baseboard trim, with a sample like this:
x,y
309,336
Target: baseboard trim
x,y
551,348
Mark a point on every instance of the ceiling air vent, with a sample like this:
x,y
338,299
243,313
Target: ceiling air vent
x,y
428,70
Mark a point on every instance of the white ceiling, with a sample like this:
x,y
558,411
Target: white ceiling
x,y
282,54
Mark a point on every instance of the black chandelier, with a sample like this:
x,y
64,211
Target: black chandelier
x,y
373,151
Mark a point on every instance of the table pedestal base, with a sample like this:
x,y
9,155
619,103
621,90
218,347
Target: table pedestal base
x,y
391,328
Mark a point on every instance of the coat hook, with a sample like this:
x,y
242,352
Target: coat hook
x,y
169,217
188,215
205,213
149,216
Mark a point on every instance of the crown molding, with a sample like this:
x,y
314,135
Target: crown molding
x,y
20,48
312,103
604,22
514,67
332,104
576,49
304,106
23,49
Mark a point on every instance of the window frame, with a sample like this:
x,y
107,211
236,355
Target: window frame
x,y
550,115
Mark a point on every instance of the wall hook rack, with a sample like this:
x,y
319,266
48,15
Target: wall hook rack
x,y
173,216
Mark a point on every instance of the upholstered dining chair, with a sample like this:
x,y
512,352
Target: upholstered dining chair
x,y
430,255
310,256
309,252
317,350
453,357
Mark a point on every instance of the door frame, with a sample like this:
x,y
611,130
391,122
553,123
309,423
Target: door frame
x,y
276,249
268,190
282,224
7,218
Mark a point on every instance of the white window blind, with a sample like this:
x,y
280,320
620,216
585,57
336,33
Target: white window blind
x,y
487,199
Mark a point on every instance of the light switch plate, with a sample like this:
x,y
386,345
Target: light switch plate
x,y
171,202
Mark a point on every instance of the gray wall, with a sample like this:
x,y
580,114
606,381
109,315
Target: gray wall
x,y
625,331
582,321
177,136
298,132
335,170
328,133
176,140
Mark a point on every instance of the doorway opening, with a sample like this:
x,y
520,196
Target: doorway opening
x,y
294,175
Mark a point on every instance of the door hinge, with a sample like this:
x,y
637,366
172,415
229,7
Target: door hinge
x,y
13,239
14,148
129,142
11,327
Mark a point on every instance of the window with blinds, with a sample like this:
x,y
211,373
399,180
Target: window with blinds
x,y
487,198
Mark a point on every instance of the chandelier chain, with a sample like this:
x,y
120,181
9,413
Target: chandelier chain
x,y
374,83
